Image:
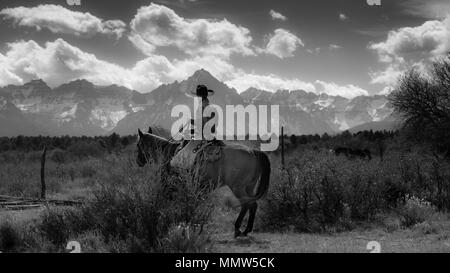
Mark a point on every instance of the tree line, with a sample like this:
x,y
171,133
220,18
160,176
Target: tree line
x,y
34,143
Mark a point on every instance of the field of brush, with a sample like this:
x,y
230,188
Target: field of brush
x,y
319,203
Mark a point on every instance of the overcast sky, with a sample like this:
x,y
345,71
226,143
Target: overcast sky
x,y
341,47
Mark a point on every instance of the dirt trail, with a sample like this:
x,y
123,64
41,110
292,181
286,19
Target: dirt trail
x,y
399,241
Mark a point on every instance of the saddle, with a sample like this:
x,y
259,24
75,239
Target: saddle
x,y
194,151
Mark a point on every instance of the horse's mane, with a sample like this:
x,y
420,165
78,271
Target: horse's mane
x,y
168,147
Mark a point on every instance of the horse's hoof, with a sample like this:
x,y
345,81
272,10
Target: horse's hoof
x,y
237,233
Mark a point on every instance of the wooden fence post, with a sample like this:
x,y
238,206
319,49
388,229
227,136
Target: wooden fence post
x,y
44,152
282,147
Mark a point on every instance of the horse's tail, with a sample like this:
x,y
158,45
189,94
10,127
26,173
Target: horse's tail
x,y
264,165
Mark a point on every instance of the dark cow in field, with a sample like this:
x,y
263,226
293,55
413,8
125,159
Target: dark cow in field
x,y
341,150
352,153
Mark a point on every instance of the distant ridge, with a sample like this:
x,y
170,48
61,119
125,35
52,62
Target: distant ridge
x,y
82,108
385,125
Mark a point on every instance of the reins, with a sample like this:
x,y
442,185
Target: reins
x,y
159,149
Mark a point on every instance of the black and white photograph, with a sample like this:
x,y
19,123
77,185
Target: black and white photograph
x,y
211,127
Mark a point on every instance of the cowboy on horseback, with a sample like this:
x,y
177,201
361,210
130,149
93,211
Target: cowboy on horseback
x,y
201,139
197,138
245,171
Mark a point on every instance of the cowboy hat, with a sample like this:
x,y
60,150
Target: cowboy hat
x,y
202,91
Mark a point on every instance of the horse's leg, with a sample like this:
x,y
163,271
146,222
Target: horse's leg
x,y
237,224
251,218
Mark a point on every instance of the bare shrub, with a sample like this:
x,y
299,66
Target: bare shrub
x,y
415,211
318,191
308,196
423,102
135,215
59,156
83,149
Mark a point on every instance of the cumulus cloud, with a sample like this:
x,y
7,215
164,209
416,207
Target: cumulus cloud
x,y
343,17
58,19
207,44
243,81
347,91
411,47
277,16
6,77
430,9
59,62
385,91
316,50
431,39
158,26
282,44
334,47
392,73
388,76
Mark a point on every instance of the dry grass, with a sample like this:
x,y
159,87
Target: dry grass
x,y
346,242
114,181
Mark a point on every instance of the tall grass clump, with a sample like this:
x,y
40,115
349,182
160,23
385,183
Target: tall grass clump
x,y
318,190
10,239
416,211
308,196
134,210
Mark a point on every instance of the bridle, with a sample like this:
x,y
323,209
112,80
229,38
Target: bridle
x,y
142,148
143,151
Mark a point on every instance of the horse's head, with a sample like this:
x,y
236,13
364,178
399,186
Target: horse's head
x,y
145,147
150,147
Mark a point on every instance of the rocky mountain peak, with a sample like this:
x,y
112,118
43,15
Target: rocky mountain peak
x,y
80,107
202,75
37,83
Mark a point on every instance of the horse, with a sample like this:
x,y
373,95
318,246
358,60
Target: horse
x,y
245,171
367,154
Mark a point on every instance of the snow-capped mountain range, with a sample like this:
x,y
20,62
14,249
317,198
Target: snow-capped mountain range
x,y
82,108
